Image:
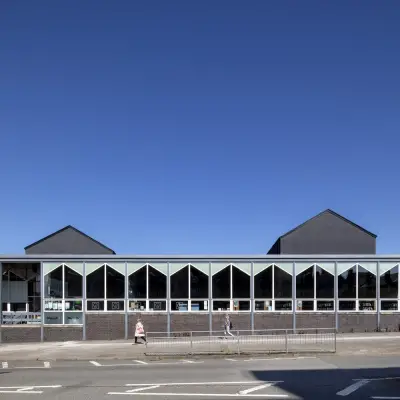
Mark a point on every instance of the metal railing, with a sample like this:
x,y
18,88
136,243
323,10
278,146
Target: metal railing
x,y
20,318
321,340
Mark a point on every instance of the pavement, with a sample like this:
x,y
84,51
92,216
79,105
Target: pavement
x,y
347,344
312,377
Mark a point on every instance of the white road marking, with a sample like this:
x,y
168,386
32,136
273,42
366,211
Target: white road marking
x,y
352,388
46,364
188,361
253,389
140,362
230,359
280,358
26,389
264,396
385,398
149,364
4,364
200,383
142,389
95,363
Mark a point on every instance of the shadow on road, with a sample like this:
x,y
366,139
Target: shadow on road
x,y
327,383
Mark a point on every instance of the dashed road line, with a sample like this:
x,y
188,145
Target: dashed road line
x,y
95,363
352,388
4,365
46,364
253,389
141,362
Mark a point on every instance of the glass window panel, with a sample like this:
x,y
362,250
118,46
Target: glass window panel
x,y
137,305
198,284
347,305
221,283
95,284
53,283
73,283
305,305
241,305
199,305
241,284
366,284
115,284
263,284
53,318
347,284
157,284
180,284
221,305
283,305
367,305
95,305
264,305
52,305
115,305
179,305
305,284
73,318
282,284
138,284
389,305
73,305
158,305
389,284
325,284
325,305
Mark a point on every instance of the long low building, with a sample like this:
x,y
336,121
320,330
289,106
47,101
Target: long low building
x,y
323,274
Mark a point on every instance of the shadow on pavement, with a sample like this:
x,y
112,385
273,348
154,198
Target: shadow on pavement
x,y
327,383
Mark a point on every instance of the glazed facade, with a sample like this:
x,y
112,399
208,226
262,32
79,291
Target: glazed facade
x,y
78,298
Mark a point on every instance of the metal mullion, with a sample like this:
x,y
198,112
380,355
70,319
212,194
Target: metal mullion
x,y
168,298
147,288
126,302
210,304
273,287
42,301
335,294
105,288
84,301
357,301
378,295
252,296
315,287
294,296
63,293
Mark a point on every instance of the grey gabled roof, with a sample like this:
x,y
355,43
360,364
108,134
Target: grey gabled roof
x,y
76,230
329,211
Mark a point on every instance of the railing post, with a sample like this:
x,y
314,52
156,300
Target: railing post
x,y
238,342
335,333
286,341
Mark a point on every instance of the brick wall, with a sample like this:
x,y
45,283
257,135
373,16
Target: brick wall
x,y
390,322
189,322
151,322
306,320
20,334
62,334
105,326
273,321
357,322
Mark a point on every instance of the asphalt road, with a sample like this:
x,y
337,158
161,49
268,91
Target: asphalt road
x,y
328,377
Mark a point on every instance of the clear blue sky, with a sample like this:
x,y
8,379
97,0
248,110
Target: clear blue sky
x,y
197,126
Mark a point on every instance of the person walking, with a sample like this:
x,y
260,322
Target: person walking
x,y
139,331
228,326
